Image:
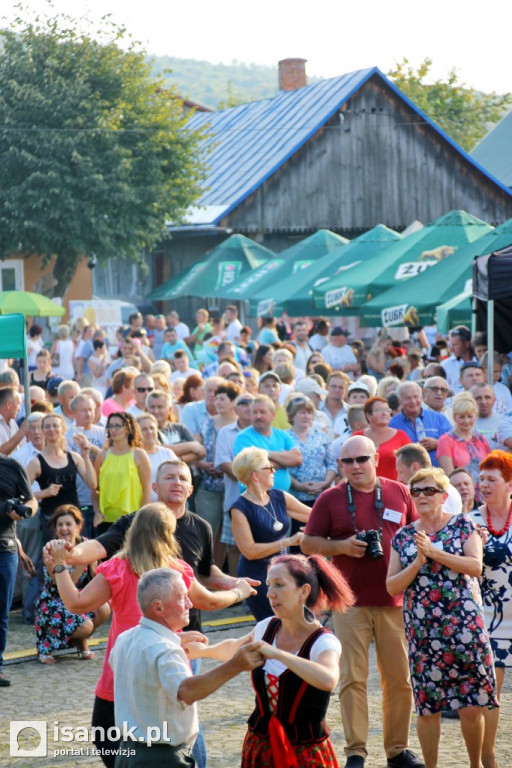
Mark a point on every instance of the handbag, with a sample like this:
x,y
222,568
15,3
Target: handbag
x,y
56,357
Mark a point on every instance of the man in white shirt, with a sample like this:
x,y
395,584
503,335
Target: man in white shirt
x,y
339,354
300,342
334,403
181,363
142,385
10,435
435,394
156,702
233,324
488,420
462,352
173,321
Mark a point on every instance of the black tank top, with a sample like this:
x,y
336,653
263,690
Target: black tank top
x,y
64,476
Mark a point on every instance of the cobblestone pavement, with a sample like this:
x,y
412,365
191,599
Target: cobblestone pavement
x,y
64,693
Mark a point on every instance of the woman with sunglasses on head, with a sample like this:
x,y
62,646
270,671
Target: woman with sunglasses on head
x,y
436,562
260,520
124,472
387,439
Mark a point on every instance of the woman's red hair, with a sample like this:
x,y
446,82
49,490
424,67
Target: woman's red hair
x,y
329,589
499,460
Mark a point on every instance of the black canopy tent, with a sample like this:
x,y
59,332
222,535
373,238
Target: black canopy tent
x,y
492,290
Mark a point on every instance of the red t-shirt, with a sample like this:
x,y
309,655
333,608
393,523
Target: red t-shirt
x,y
386,451
331,519
125,610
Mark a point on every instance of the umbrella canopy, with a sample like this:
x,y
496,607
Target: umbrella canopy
x,y
295,293
401,260
455,311
220,269
427,290
29,304
294,259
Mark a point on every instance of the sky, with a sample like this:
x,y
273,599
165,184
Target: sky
x,y
334,36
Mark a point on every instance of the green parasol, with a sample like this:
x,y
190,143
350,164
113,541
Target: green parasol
x,y
429,289
29,304
295,293
289,262
221,268
403,259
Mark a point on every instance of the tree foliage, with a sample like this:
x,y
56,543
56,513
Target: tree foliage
x,y
465,114
94,153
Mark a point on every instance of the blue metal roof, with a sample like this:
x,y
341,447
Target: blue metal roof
x,y
248,143
494,152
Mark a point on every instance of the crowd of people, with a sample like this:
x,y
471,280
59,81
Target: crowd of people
x,y
297,471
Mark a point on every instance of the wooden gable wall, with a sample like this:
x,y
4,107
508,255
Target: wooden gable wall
x,y
376,162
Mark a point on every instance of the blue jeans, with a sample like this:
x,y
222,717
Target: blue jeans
x,y
8,569
199,751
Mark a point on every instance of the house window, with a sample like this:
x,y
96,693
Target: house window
x,y
11,275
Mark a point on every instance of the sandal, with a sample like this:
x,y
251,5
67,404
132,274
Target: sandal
x,y
85,655
46,659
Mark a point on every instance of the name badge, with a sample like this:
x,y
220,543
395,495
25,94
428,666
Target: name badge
x,y
438,545
392,515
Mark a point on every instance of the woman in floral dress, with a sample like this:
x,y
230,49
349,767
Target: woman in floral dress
x,y
55,626
436,562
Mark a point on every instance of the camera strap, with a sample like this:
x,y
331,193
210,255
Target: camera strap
x,y
379,504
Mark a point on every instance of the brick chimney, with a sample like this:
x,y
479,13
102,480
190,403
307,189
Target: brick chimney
x,y
292,74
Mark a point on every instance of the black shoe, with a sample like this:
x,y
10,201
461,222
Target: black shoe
x,y
405,759
4,682
355,761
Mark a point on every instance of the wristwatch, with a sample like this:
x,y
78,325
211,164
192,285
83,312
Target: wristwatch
x,y
59,568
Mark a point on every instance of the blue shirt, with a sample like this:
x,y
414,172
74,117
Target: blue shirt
x,y
435,425
278,440
169,349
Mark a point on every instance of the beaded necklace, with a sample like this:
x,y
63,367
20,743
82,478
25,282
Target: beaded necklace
x,y
490,526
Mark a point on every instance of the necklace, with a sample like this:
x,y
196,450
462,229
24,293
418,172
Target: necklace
x,y
490,526
277,524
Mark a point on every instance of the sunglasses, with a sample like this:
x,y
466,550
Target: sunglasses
x,y
358,459
269,467
244,402
438,389
415,492
144,389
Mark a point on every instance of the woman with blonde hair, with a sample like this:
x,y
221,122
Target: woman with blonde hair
x,y
260,520
387,385
62,353
436,562
464,446
55,469
379,356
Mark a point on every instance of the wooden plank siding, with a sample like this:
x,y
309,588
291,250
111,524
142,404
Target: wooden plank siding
x,y
373,162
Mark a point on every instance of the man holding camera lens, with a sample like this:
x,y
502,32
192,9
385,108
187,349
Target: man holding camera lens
x,y
16,503
354,523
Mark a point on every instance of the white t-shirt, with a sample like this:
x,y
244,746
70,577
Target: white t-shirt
x,y
233,330
325,642
339,357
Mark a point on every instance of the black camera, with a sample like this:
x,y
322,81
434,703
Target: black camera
x,y
18,507
374,541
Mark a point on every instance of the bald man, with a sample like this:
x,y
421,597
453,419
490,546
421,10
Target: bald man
x,y
336,528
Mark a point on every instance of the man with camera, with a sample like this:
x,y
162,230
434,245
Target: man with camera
x,y
354,523
16,503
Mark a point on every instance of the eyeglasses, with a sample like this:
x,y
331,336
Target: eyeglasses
x,y
144,389
269,467
381,410
438,389
112,427
358,459
415,492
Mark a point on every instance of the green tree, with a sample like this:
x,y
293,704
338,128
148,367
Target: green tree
x,y
95,155
465,114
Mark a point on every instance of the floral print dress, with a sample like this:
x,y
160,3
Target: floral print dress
x,y
450,655
54,624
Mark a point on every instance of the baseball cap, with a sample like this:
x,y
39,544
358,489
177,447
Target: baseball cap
x,y
265,375
307,386
53,384
339,331
358,386
462,331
